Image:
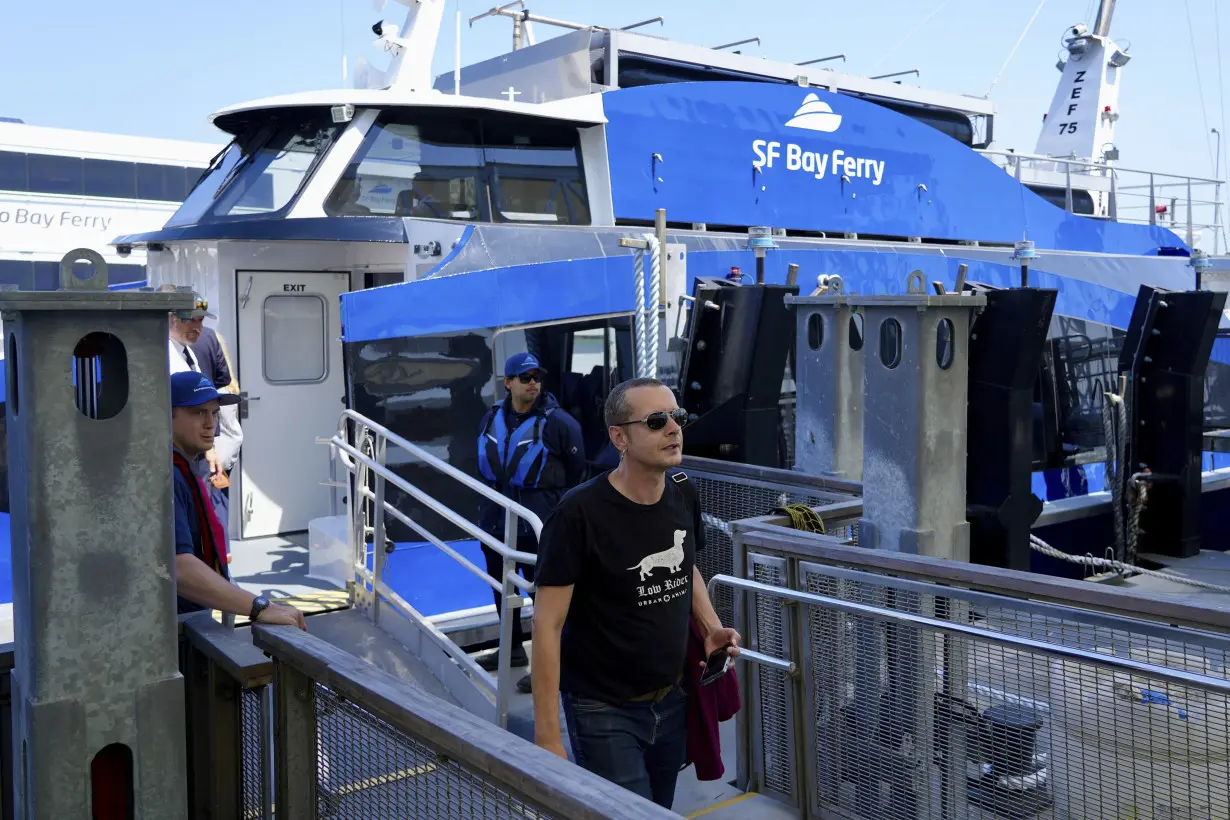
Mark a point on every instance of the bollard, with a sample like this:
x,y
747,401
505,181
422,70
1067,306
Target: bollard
x,y
98,701
828,414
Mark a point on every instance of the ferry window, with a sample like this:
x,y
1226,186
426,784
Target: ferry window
x,y
13,171
295,339
427,168
272,173
162,182
50,174
104,177
535,174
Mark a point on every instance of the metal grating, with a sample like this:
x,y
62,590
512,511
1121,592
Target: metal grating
x,y
773,707
724,500
370,770
255,751
907,722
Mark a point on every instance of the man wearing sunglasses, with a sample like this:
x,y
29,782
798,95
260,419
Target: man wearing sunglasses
x,y
616,582
530,450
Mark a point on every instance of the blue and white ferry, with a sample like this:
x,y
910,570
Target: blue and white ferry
x,y
379,251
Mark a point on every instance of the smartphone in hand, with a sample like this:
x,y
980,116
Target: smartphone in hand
x,y
715,666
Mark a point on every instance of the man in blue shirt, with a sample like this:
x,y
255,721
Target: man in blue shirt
x,y
202,579
530,450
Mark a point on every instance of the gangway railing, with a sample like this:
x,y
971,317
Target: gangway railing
x,y
935,689
280,720
363,448
354,741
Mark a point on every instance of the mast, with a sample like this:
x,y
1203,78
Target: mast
x,y
1106,10
1081,120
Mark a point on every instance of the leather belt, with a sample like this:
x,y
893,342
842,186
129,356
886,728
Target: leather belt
x,y
656,695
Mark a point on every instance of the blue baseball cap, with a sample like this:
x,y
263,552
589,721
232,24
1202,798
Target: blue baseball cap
x,y
519,363
191,389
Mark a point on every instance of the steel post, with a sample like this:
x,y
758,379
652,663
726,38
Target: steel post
x,y
914,477
914,428
97,691
378,553
508,611
296,765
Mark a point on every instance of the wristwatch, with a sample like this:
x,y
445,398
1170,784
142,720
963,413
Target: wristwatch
x,y
258,606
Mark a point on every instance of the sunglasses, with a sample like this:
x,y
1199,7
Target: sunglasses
x,y
526,378
657,421
185,315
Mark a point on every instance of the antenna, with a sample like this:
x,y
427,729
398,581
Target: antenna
x,y
658,20
457,55
841,57
913,71
755,40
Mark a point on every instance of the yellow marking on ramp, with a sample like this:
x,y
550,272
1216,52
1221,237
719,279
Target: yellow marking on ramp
x,y
385,779
722,805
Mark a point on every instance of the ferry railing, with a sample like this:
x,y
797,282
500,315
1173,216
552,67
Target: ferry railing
x,y
362,446
924,688
355,741
229,720
1134,195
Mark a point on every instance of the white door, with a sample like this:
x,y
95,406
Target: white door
x,y
290,367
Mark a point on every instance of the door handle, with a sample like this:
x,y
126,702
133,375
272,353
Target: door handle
x,y
244,399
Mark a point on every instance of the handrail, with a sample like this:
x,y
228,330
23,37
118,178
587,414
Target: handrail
x,y
509,585
1013,583
1111,662
446,468
509,762
424,499
230,649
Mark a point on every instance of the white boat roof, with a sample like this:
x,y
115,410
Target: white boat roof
x,y
585,109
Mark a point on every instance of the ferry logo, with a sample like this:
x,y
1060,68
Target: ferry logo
x,y
815,115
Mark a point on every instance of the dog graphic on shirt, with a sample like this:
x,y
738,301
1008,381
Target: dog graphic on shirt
x,y
671,558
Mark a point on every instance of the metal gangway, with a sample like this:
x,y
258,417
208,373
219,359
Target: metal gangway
x,y
875,684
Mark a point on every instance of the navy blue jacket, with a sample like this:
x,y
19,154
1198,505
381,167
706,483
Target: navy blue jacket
x,y
565,466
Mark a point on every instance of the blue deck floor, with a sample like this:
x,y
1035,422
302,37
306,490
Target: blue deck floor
x,y
432,582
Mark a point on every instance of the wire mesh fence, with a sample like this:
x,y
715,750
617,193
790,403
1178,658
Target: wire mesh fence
x,y
991,718
255,754
368,769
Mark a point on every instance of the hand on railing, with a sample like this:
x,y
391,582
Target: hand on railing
x,y
281,615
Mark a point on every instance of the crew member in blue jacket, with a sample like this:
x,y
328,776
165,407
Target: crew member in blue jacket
x,y
530,449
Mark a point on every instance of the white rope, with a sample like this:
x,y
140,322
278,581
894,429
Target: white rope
x,y
651,305
1038,545
1204,112
642,349
1111,432
1012,53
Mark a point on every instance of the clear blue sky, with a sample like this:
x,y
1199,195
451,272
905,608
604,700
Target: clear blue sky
x,y
159,68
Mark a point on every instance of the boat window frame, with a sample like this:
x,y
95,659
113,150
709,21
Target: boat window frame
x,y
250,140
477,122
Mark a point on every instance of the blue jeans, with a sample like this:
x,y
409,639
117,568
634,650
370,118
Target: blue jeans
x,y
639,745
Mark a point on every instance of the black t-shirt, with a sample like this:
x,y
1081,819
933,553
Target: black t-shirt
x,y
631,567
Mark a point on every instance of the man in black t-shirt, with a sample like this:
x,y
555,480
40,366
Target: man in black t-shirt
x,y
616,581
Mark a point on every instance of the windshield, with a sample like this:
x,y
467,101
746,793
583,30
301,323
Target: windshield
x,y
435,164
262,170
